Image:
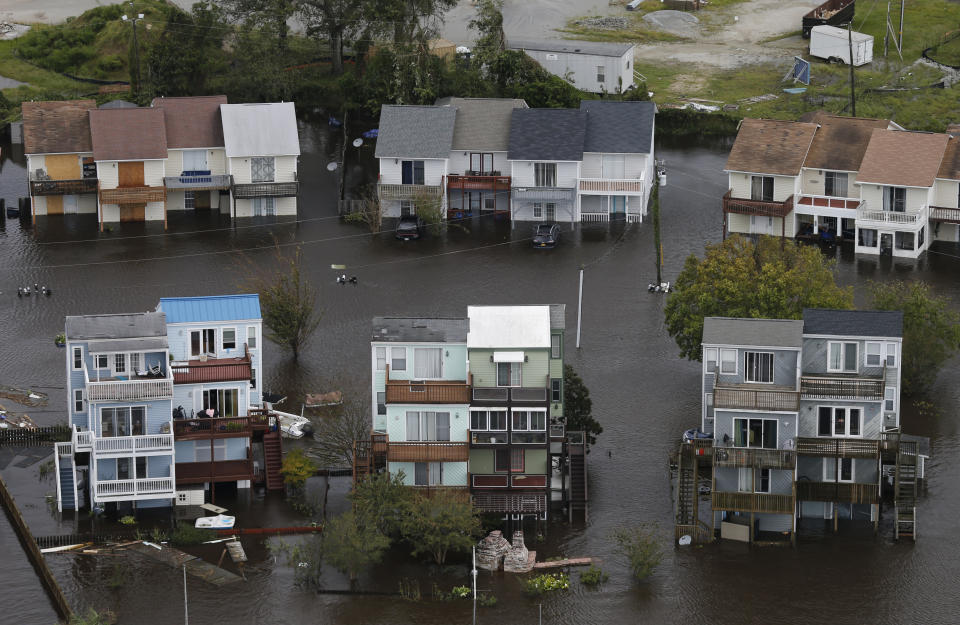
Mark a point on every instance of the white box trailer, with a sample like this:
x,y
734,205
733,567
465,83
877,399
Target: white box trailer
x,y
832,43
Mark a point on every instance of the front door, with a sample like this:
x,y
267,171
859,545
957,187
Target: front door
x,y
886,243
133,212
130,174
618,204
54,204
201,200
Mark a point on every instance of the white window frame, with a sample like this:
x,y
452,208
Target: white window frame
x,y
489,427
727,352
223,338
434,474
880,354
119,358
101,362
135,362
601,73
264,207
556,346
202,343
189,200
421,349
544,172
538,210
380,358
710,355
890,399
512,383
833,421
892,346
402,350
74,353
219,450
529,422
843,356
763,430
252,337
832,473
78,400
758,481
747,369
264,162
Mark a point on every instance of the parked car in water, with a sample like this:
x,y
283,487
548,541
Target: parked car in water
x,y
409,227
546,235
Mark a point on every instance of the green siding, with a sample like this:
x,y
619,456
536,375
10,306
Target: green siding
x,y
481,461
535,461
534,369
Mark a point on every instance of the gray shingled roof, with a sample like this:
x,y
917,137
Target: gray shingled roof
x,y
482,123
558,316
547,134
419,330
572,47
415,131
123,326
758,332
820,321
618,127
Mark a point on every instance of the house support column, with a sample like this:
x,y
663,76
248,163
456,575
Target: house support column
x,y
724,233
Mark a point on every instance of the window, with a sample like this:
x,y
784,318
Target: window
x,y
891,354
380,353
381,403
508,373
550,209
516,460
141,465
264,207
761,188
195,160
837,421
895,199
77,358
873,358
262,169
411,172
601,75
78,400
481,164
556,346
488,420
545,174
428,426
867,237
842,357
501,460
203,342
225,401
125,421
755,433
101,361
538,210
123,469
556,390
478,420
252,337
428,473
120,363
407,209
762,484
890,399
398,358
427,363
759,367
835,184
253,378
188,199
710,357
921,236
228,337
903,240
833,473
529,421
490,203
728,361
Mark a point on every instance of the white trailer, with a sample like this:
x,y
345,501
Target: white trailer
x,y
832,43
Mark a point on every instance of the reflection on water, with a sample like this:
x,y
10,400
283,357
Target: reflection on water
x,y
642,393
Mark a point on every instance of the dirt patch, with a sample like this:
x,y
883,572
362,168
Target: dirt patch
x,y
684,84
674,22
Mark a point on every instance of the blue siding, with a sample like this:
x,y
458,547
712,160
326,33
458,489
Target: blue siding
x,y
237,448
185,451
210,308
106,469
158,466
154,503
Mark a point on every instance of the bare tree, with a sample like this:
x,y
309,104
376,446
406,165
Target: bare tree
x,y
335,434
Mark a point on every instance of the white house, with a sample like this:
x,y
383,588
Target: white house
x,y
262,150
588,65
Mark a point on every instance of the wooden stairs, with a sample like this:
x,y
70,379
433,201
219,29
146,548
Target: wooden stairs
x,y
369,456
905,491
68,499
577,462
688,521
273,459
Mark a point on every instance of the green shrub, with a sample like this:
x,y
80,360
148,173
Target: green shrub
x,y
186,535
594,576
128,520
548,582
296,468
640,547
110,63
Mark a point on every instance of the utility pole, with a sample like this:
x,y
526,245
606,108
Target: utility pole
x,y
136,48
579,306
186,612
853,97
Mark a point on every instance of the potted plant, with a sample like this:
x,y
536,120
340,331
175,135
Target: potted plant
x,y
60,340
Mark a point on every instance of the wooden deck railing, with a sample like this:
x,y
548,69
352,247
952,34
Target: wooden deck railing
x,y
753,502
760,208
478,182
506,502
63,187
949,215
823,387
757,458
699,532
838,447
217,471
755,399
221,427
407,191
440,451
846,492
827,201
612,185
220,370
431,392
132,195
251,190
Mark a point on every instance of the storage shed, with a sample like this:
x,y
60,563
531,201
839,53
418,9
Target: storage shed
x,y
589,65
830,42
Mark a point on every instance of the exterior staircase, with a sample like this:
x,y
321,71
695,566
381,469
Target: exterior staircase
x,y
67,479
273,460
688,521
905,491
577,462
370,456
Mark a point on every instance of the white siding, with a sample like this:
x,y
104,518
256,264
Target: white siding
x,y
175,162
35,162
285,169
153,172
581,69
459,162
567,173
282,205
433,170
217,161
108,174
946,193
783,186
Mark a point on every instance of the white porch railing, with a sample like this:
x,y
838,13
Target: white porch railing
x,y
604,216
891,217
128,444
83,440
64,449
113,488
612,185
130,390
152,485
133,488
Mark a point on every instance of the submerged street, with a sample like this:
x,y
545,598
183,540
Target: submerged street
x,y
643,395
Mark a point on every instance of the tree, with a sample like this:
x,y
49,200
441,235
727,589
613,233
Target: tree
x,y
369,211
335,434
769,279
406,20
429,208
188,52
296,468
334,19
351,544
488,22
92,617
440,524
382,499
639,546
931,330
578,407
288,302
270,13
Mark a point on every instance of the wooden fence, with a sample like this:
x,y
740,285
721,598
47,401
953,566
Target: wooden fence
x,y
27,437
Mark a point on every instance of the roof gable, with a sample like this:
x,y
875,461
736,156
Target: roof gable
x,y
122,326
482,123
853,323
770,146
506,327
902,158
840,142
547,134
786,333
192,122
128,134
260,129
596,48
618,127
419,330
950,165
57,127
210,308
415,131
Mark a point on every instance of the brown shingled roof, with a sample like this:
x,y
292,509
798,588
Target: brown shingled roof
x,y
902,158
768,146
841,142
128,134
193,122
950,166
56,127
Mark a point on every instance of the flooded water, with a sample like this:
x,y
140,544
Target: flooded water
x,y
643,394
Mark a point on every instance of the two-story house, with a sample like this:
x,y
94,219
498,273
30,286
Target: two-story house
x,y
945,213
119,391
60,167
262,149
616,175
421,399
196,165
221,432
546,150
478,179
593,66
413,148
130,150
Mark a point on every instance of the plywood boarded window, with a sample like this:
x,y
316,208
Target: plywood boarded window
x,y
130,174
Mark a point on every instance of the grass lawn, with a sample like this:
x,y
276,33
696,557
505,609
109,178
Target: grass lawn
x,y
947,53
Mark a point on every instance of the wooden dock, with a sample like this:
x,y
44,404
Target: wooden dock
x,y
176,559
556,564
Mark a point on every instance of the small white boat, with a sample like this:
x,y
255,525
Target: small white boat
x,y
294,426
219,522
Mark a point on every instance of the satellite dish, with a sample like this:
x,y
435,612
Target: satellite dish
x,y
332,166
357,142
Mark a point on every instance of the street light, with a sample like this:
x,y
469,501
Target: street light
x,y
136,48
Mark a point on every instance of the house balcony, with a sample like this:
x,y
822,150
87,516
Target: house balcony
x,y
221,427
760,208
839,386
755,397
212,370
132,195
63,187
198,181
127,445
618,186
828,205
529,395
838,447
459,494
752,502
946,215
909,219
124,490
755,458
503,480
251,190
427,391
216,471
545,194
476,181
134,388
510,502
408,191
439,451
844,492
